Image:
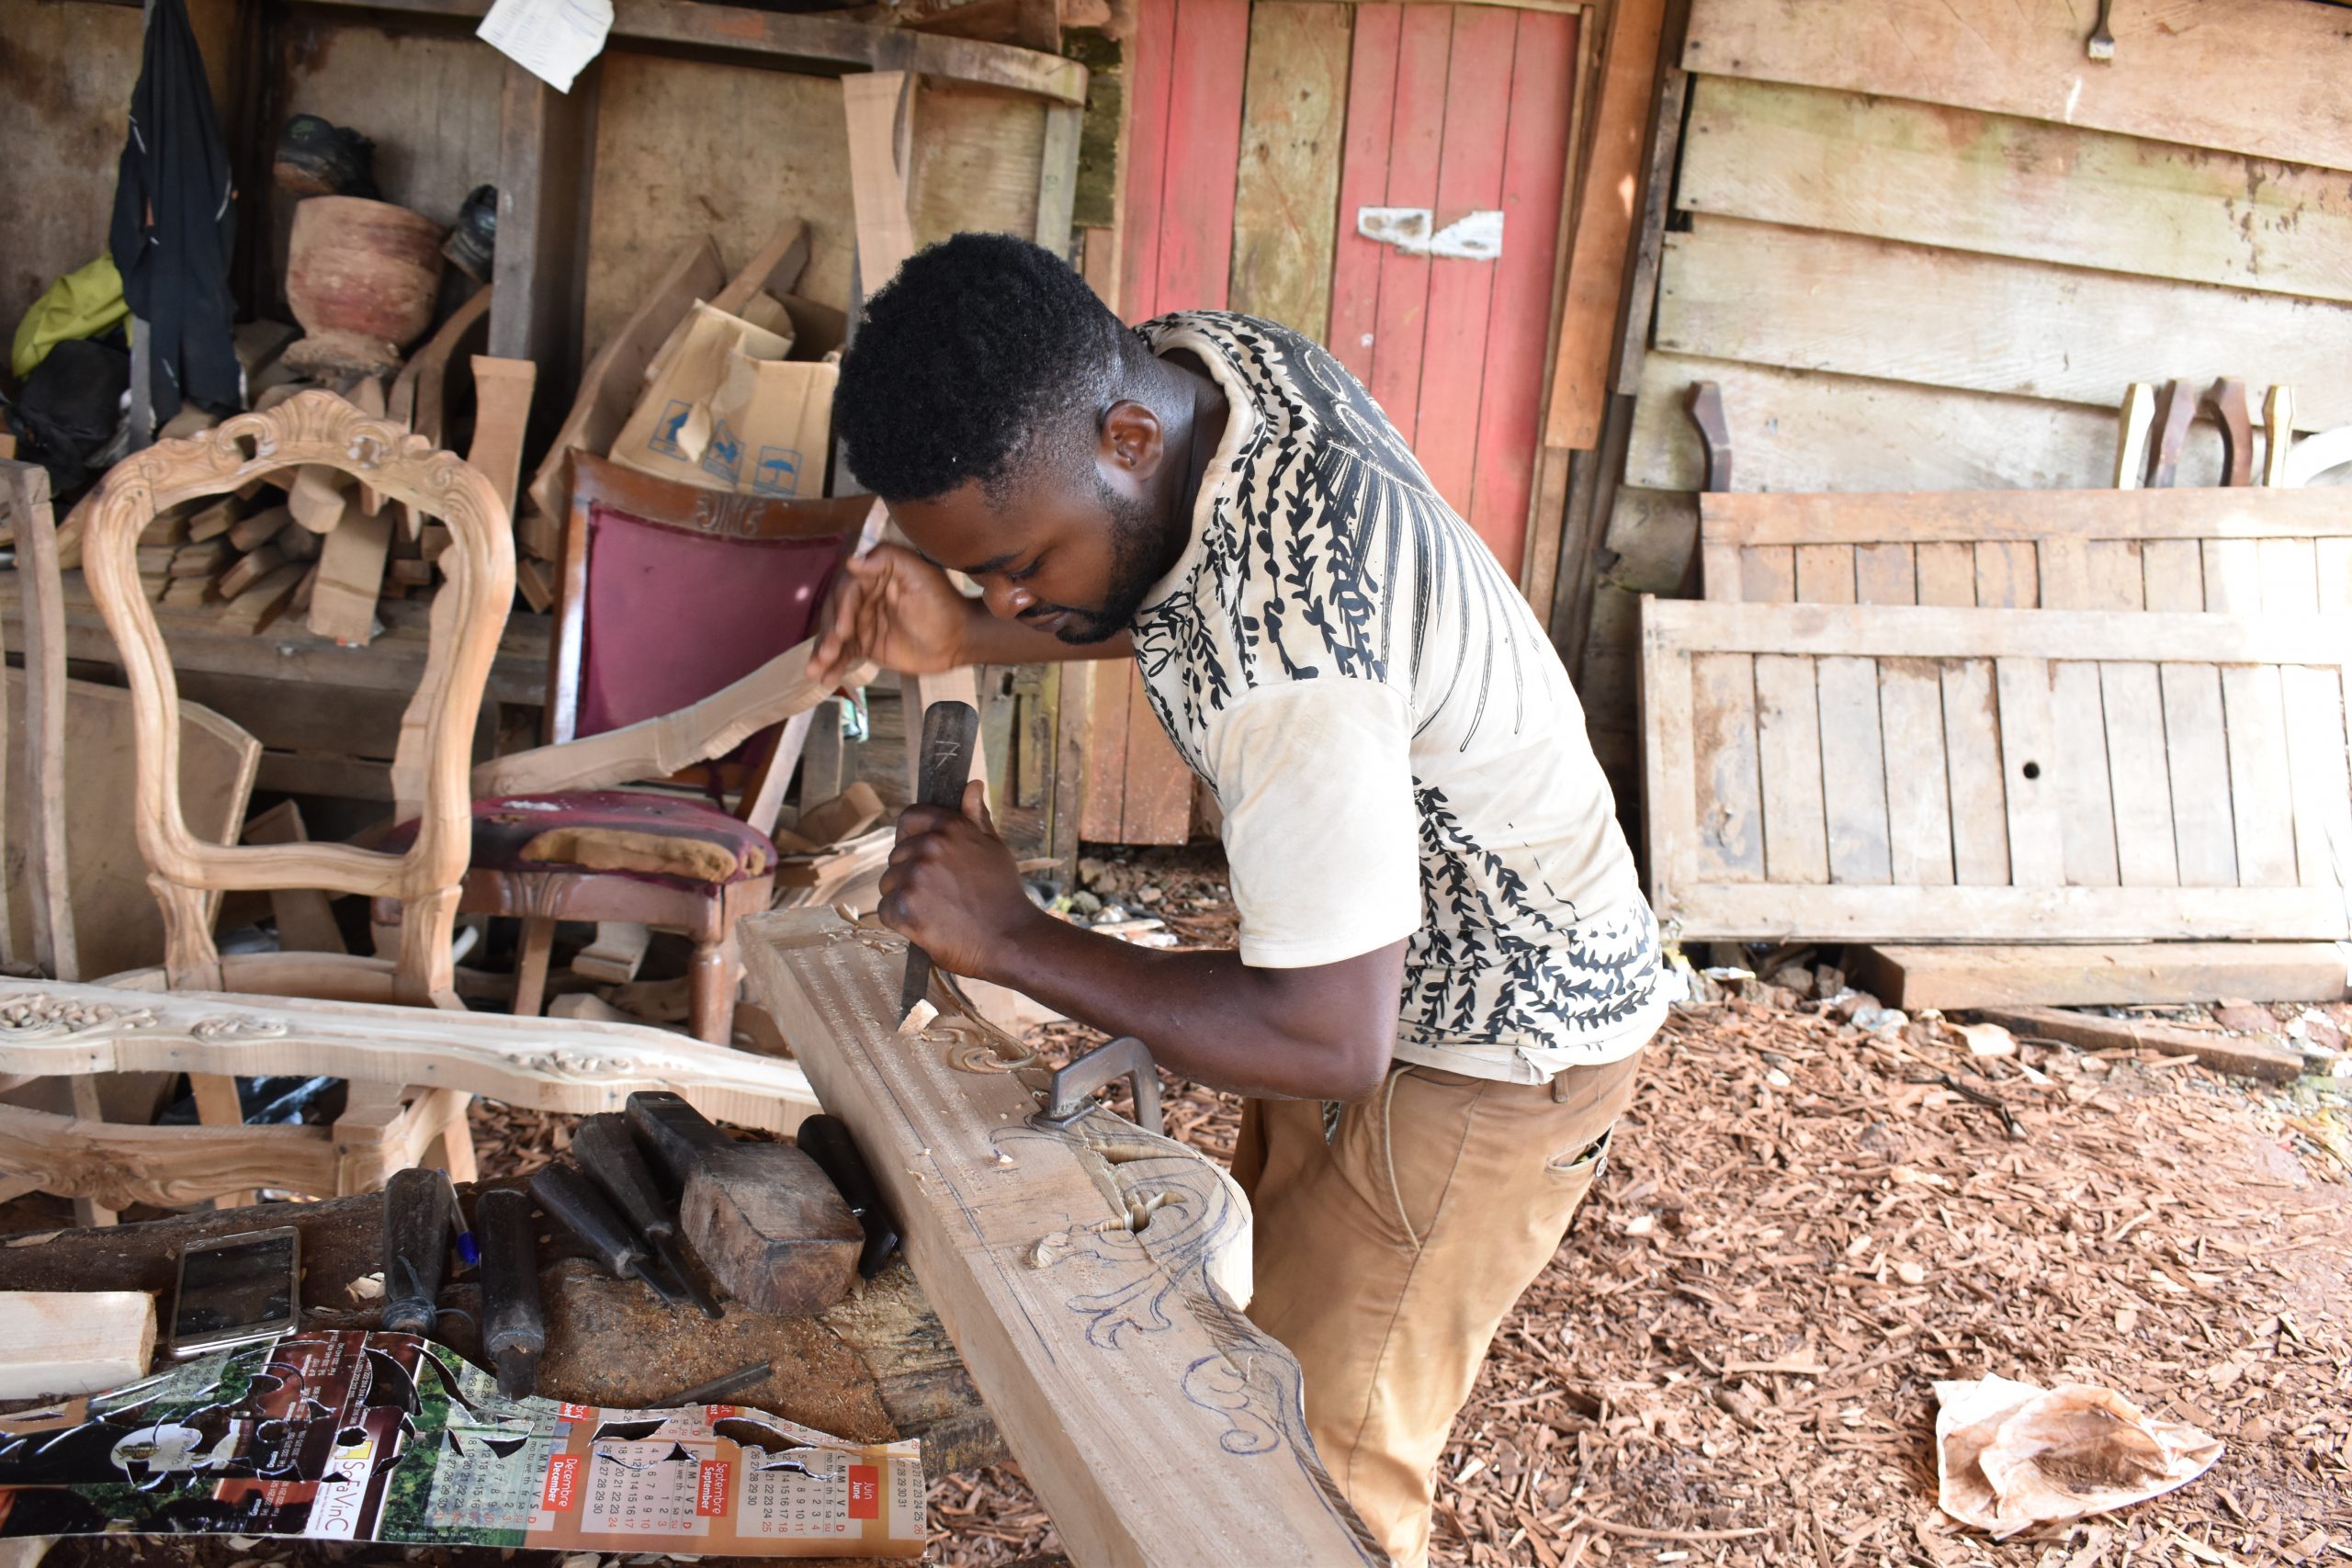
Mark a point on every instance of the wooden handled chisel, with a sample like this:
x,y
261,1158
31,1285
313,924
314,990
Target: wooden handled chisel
x,y
949,730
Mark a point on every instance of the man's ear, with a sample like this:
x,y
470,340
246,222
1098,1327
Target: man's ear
x,y
1133,438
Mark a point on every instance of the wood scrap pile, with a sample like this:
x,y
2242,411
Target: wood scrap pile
x,y
1805,1224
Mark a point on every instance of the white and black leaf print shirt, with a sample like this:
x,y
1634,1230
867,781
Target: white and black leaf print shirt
x,y
1391,736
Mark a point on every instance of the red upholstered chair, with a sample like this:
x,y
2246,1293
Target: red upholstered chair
x,y
679,658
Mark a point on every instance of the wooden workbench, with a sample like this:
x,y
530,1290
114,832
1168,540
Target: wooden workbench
x,y
876,1367
327,715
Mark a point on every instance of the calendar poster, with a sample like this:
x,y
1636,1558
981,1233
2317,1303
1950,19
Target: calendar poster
x,y
352,1436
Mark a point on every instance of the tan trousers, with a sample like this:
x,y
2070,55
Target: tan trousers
x,y
1386,1257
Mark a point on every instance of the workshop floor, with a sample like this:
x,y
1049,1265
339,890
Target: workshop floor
x,y
1786,1190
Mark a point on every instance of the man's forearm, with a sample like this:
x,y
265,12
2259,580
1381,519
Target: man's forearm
x,y
990,639
1209,1015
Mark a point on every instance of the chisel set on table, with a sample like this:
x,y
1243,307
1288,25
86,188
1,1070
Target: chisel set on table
x,y
776,1229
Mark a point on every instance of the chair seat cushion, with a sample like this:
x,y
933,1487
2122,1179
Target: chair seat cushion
x,y
620,831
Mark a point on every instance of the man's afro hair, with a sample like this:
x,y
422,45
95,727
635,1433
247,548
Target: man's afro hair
x,y
980,347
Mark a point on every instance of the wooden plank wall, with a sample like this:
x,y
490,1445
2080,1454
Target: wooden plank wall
x,y
1926,247
66,74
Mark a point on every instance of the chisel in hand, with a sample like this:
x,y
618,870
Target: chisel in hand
x,y
949,729
565,1194
605,1151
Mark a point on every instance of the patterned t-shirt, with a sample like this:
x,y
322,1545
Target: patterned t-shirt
x,y
1391,738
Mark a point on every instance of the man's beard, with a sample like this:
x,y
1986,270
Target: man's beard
x,y
1136,566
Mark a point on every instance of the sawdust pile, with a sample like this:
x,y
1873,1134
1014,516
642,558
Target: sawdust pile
x,y
1802,1227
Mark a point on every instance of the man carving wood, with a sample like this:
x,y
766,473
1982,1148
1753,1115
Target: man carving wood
x,y
1447,967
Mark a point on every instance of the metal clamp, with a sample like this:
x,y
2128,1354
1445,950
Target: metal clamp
x,y
1069,1094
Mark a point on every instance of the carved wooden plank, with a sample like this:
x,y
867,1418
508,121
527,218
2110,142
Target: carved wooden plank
x,y
1157,1424
656,747
2077,798
47,1028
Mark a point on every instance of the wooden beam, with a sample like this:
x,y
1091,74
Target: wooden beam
x,y
2269,76
51,1028
54,947
2069,974
1744,518
1807,300
1093,1278
1961,180
502,415
1811,430
2248,1055
1580,369
66,1342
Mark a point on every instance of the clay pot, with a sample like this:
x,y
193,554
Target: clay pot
x,y
362,277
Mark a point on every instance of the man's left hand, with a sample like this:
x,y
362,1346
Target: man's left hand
x,y
952,887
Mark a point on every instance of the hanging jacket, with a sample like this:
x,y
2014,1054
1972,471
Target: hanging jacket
x,y
174,224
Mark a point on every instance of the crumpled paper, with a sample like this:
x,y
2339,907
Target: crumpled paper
x,y
2011,1455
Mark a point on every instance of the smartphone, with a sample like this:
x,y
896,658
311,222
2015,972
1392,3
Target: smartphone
x,y
238,1288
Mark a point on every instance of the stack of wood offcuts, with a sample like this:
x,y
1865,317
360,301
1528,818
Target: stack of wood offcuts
x,y
2090,745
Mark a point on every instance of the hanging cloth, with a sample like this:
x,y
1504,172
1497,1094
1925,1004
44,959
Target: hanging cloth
x,y
174,224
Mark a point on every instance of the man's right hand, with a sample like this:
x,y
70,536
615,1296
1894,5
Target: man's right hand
x,y
894,608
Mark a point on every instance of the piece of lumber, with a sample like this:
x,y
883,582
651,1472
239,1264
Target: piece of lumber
x,y
587,1005
614,957
189,592
1811,301
202,561
418,396
2068,974
2248,1055
306,920
44,707
2256,90
68,1342
257,606
1180,1446
1580,380
501,416
1286,199
874,104
2132,422
1897,169
252,533
249,572
657,748
351,578
316,498
1830,431
2086,797
2280,413
845,816
579,1067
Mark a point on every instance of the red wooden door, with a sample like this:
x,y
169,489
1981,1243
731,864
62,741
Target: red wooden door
x,y
1321,119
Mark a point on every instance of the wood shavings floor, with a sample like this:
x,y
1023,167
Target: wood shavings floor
x,y
1731,1360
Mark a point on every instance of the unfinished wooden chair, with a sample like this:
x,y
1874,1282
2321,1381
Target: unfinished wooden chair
x,y
680,657
384,1127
